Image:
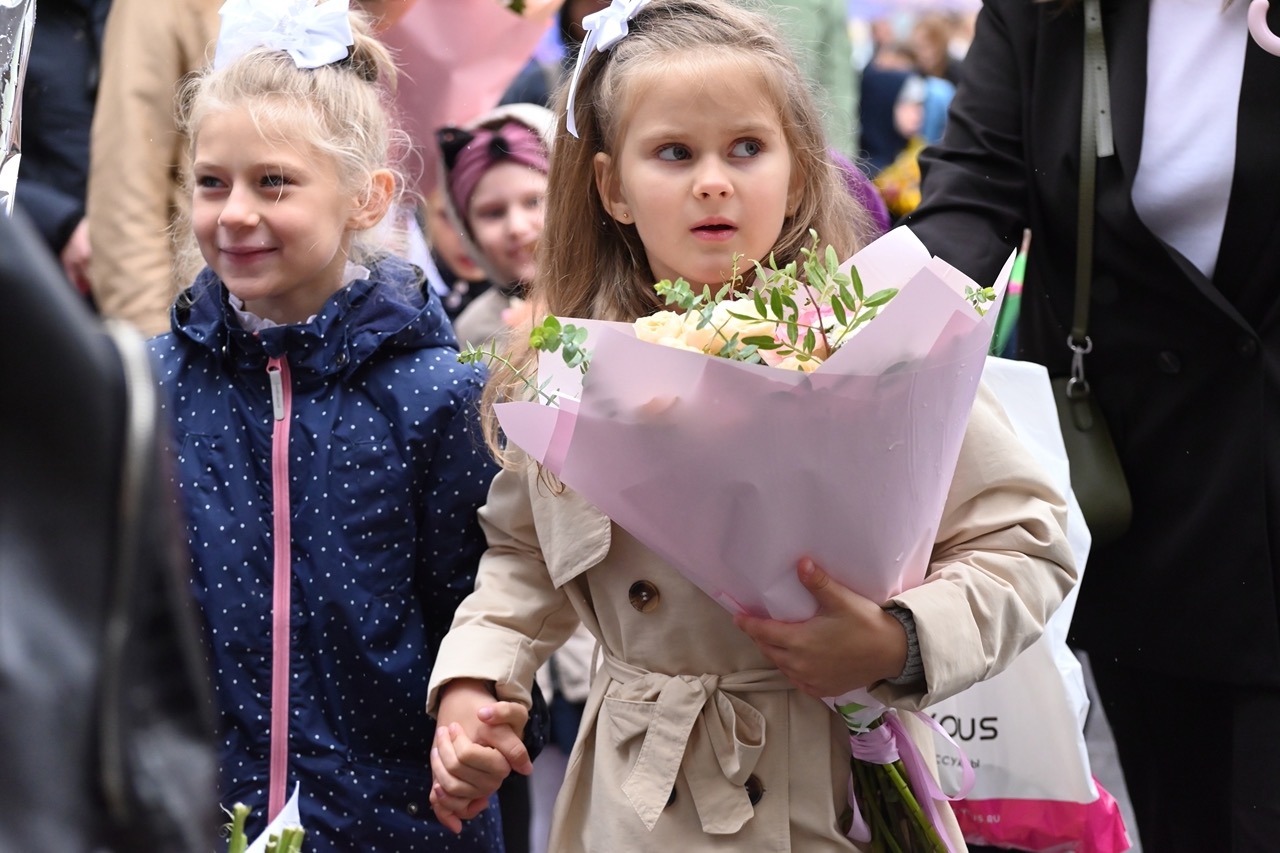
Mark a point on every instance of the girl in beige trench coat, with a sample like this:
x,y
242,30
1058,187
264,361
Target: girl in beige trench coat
x,y
695,736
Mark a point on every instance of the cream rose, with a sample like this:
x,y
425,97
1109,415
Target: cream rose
x,y
656,327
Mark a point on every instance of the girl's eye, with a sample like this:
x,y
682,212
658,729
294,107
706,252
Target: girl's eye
x,y
208,182
533,202
274,180
747,148
674,152
490,214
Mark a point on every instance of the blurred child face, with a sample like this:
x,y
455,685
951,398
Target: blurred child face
x,y
506,215
703,171
447,241
270,217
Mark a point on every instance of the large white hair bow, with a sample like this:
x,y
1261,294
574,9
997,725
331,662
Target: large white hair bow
x,y
313,34
604,29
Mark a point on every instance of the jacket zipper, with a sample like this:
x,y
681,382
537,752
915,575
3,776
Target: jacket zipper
x,y
281,411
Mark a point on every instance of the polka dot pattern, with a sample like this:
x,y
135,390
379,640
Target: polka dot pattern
x,y
386,471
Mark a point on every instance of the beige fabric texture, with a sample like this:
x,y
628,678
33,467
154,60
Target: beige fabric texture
x,y
683,698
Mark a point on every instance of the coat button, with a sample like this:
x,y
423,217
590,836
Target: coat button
x,y
755,789
644,596
1247,347
1169,363
412,809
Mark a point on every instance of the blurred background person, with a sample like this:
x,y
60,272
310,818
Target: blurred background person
x,y
57,114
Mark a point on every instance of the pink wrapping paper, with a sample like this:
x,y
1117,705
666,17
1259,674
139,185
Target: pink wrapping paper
x,y
733,471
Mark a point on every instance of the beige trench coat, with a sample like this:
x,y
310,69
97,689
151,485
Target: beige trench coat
x,y
691,739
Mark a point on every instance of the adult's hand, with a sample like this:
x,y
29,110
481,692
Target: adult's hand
x,y
75,257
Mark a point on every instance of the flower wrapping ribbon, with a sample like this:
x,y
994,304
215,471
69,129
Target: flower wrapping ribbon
x,y
890,742
312,34
603,30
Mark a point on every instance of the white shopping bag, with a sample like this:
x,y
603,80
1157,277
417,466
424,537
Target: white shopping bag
x,y
1023,730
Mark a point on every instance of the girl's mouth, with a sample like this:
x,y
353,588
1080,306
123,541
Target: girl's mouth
x,y
715,231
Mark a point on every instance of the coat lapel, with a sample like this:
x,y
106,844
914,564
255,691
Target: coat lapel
x,y
1251,234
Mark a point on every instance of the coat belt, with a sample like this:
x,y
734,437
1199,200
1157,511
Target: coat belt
x,y
722,735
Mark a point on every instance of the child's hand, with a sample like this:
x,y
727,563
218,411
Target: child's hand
x,y
464,775
478,744
851,642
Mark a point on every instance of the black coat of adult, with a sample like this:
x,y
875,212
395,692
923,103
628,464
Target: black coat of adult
x,y
1187,369
57,112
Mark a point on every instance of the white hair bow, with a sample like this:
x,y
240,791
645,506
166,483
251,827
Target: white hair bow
x,y
604,29
313,34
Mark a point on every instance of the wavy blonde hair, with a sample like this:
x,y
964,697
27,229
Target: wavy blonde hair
x,y
591,266
342,110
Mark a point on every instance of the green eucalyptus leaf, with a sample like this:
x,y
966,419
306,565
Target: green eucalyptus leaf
x,y
881,297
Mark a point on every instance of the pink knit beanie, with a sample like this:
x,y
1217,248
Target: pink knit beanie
x,y
468,155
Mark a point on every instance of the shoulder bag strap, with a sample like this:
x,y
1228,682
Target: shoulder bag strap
x,y
1095,141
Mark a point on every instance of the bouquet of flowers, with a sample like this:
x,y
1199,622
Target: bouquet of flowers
x,y
283,835
830,413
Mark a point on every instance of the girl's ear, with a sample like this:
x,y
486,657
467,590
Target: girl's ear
x,y
610,191
378,194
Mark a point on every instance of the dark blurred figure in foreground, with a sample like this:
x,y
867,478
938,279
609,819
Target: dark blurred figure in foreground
x,y
107,737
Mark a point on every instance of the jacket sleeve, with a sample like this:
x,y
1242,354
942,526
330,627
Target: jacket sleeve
x,y
516,617
136,155
451,539
1001,563
973,187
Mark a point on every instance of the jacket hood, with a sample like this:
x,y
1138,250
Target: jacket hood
x,y
389,309
533,116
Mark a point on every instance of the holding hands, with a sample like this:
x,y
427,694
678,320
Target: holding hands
x,y
478,743
850,642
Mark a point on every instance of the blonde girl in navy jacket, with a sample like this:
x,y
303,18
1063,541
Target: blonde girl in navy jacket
x,y
325,449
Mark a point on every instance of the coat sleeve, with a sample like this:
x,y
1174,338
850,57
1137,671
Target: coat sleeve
x,y
136,156
1000,566
516,617
973,187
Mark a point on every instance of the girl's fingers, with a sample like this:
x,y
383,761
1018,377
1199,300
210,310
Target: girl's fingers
x,y
469,771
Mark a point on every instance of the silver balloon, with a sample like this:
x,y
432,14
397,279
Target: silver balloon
x,y
17,18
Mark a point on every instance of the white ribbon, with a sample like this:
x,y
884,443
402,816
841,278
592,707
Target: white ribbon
x,y
312,34
603,29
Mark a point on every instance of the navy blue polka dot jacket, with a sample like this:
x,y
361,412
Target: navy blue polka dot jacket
x,y
331,473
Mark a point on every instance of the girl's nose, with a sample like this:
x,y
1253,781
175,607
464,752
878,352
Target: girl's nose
x,y
711,179
239,210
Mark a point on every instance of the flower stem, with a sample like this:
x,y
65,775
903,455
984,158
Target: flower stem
x,y
896,774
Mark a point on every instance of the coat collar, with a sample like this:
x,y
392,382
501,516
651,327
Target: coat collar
x,y
1250,245
389,309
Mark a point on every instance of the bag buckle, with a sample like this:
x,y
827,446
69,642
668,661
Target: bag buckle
x,y
1077,385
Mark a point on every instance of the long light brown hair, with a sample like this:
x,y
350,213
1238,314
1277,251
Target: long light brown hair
x,y
591,266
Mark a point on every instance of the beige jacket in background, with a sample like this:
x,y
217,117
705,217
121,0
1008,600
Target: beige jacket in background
x,y
137,154
687,724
